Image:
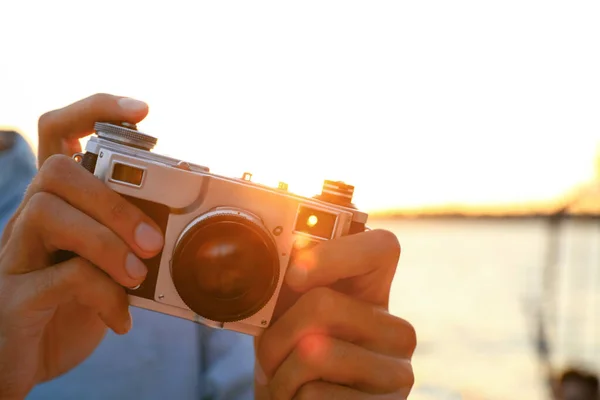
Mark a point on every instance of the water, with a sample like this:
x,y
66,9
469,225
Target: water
x,y
466,285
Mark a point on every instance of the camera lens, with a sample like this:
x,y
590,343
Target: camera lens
x,y
225,267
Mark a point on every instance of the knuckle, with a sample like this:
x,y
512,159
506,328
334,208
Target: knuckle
x,y
312,350
409,333
411,377
120,209
45,122
37,208
404,336
56,163
54,171
98,100
75,271
99,97
389,241
402,375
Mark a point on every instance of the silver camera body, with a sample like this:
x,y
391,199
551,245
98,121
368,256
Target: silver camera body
x,y
228,241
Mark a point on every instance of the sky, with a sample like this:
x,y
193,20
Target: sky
x,y
414,103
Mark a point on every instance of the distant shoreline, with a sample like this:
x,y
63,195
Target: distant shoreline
x,y
458,216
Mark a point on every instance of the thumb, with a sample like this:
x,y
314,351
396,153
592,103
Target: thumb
x,y
77,120
347,257
58,130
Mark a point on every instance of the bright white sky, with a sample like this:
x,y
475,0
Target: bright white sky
x,y
415,103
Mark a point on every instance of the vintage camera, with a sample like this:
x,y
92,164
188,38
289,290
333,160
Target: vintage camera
x,y
228,241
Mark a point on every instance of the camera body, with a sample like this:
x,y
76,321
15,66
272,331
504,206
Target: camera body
x,y
228,241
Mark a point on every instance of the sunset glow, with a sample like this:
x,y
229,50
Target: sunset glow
x,y
465,102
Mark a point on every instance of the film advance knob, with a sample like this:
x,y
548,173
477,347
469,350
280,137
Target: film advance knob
x,y
337,192
126,134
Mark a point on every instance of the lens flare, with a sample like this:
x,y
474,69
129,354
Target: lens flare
x,y
312,220
316,348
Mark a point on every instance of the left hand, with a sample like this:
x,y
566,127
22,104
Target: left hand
x,y
56,136
338,341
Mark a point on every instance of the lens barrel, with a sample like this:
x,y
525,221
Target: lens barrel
x,y
225,266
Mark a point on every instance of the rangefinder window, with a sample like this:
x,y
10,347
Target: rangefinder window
x,y
315,222
127,174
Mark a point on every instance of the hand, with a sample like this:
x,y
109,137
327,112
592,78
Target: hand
x,y
59,131
53,315
338,341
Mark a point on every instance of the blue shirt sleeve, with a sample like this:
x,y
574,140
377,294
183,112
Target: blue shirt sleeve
x,y
162,357
17,169
228,362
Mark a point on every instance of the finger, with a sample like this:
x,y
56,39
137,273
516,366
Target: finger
x,y
324,311
319,357
346,257
59,130
68,180
76,279
49,224
77,120
330,391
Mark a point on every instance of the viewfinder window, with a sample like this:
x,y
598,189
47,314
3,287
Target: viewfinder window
x,y
315,222
127,174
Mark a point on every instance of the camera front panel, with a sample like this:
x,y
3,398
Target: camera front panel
x,y
276,212
174,198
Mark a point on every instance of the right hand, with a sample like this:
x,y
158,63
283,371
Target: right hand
x,y
53,315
